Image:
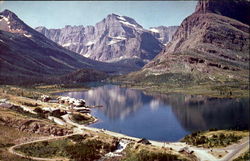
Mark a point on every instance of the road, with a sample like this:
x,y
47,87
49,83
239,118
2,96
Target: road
x,y
236,150
11,149
202,154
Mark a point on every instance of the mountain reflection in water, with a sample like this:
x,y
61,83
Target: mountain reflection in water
x,y
161,117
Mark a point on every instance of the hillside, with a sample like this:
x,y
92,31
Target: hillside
x,y
27,55
208,47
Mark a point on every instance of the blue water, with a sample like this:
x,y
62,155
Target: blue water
x,y
161,117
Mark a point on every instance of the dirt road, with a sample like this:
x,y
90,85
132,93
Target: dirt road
x,y
202,154
11,149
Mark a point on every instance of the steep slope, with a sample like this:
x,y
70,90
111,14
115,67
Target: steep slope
x,y
208,43
163,33
235,9
208,47
113,39
27,54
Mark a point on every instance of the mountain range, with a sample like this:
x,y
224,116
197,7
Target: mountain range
x,y
26,54
114,39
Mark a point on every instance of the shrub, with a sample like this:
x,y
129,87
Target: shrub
x,y
244,157
40,112
81,118
82,150
151,156
87,151
44,149
215,140
77,138
25,113
30,104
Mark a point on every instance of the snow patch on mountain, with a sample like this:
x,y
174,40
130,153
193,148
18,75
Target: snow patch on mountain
x,y
121,18
118,37
67,44
5,19
122,58
27,35
89,43
128,24
154,30
87,55
113,42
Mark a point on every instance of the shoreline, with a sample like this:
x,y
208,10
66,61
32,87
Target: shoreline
x,y
143,90
201,153
205,89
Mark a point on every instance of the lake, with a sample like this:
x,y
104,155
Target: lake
x,y
161,117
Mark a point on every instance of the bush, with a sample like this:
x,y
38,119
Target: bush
x,y
151,156
25,113
44,149
87,151
221,139
30,104
81,150
81,118
58,113
77,138
40,112
245,157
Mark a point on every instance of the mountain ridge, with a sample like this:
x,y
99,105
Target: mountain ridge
x,y
216,36
113,39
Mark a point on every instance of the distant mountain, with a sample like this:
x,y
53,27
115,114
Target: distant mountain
x,y
163,33
114,39
211,45
26,54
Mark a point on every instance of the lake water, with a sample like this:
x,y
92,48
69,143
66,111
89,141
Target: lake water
x,y
161,117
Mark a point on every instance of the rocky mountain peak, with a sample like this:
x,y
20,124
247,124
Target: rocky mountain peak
x,y
236,9
123,20
112,15
9,14
115,38
10,22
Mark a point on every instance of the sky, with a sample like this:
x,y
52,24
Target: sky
x,y
57,14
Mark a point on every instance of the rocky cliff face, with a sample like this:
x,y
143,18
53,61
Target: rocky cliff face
x,y
114,39
236,9
163,33
208,42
